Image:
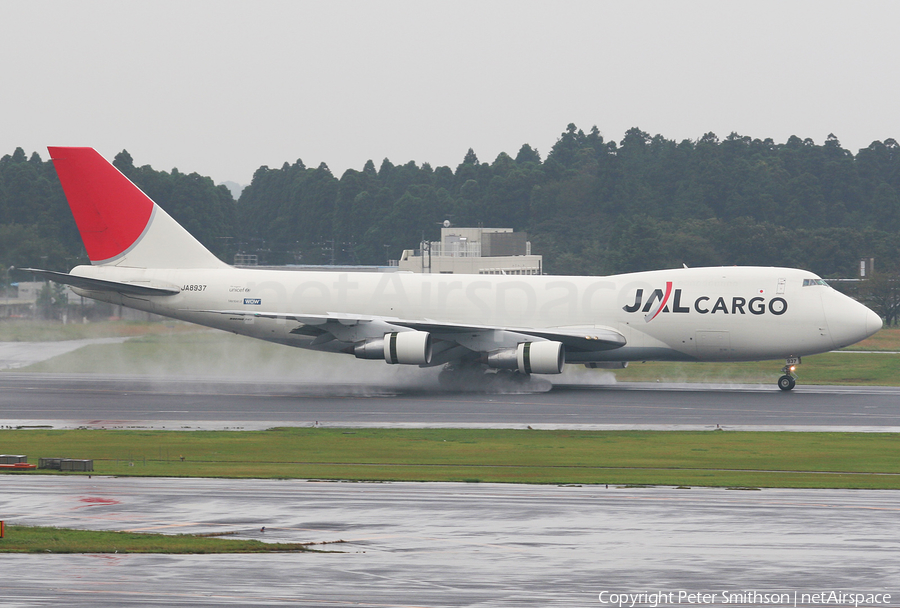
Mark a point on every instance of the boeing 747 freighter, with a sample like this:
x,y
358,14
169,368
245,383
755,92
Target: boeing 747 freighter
x,y
474,325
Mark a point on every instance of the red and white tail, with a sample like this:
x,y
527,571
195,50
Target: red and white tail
x,y
119,224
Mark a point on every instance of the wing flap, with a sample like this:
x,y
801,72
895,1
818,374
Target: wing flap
x,y
586,339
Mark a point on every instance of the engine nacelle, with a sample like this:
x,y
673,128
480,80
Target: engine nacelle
x,y
530,358
405,347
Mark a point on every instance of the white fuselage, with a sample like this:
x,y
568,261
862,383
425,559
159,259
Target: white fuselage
x,y
710,314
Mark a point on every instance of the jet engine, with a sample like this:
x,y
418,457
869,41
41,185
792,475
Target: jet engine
x,y
530,358
406,347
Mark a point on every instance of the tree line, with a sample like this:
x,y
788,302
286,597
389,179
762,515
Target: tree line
x,y
590,206
593,206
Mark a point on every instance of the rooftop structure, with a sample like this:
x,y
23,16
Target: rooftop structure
x,y
474,251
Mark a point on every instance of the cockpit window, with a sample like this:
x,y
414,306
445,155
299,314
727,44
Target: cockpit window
x,y
808,282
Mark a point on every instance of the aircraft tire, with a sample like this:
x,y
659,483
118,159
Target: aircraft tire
x,y
786,383
462,378
477,378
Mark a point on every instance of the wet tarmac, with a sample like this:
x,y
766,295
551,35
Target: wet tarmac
x,y
444,544
478,545
67,401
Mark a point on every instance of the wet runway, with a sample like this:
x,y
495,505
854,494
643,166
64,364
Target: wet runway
x,y
142,401
443,544
478,545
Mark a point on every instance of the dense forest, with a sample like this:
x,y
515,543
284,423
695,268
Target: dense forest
x,y
590,206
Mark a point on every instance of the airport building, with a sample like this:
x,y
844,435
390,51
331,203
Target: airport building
x,y
20,299
474,251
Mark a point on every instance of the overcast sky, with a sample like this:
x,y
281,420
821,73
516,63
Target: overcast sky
x,y
222,87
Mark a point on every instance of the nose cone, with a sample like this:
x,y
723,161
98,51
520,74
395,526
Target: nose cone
x,y
873,323
848,320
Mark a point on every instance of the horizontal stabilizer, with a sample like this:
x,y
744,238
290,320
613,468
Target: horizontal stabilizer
x,y
132,289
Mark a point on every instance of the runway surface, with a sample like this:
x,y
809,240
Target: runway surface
x,y
472,545
67,401
443,544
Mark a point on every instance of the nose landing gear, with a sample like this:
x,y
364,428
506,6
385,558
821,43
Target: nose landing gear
x,y
788,381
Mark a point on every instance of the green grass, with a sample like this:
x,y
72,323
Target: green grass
x,y
887,339
879,369
33,539
48,331
197,353
703,458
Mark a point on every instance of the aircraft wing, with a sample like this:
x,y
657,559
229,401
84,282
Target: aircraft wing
x,y
574,338
132,289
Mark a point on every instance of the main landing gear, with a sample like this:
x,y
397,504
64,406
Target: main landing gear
x,y
789,380
474,377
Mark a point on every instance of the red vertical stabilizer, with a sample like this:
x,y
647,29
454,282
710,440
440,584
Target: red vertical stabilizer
x,y
110,211
119,224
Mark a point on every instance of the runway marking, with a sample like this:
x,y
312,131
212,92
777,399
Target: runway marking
x,y
98,501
